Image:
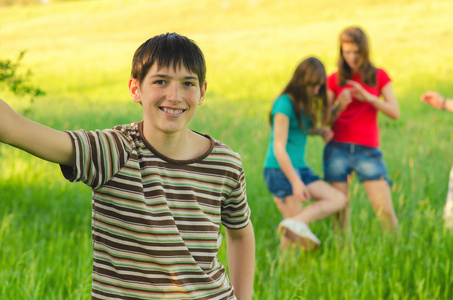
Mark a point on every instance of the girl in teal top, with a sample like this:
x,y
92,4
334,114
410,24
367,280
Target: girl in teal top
x,y
295,114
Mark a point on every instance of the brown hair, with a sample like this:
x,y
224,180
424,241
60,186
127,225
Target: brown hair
x,y
170,49
309,73
367,70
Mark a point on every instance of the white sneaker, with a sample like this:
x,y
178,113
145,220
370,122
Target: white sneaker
x,y
299,233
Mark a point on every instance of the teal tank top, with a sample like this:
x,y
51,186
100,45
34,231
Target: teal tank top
x,y
297,138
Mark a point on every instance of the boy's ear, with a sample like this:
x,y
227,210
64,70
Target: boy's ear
x,y
134,90
203,92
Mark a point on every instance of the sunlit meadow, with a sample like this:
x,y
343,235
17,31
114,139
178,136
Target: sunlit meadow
x,y
80,54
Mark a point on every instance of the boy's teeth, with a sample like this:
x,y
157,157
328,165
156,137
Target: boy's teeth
x,y
172,111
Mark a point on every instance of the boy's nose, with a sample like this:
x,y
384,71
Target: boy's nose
x,y
174,93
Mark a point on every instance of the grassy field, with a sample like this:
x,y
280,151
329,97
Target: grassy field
x,y
80,54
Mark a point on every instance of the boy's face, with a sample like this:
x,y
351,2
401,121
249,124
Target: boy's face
x,y
169,98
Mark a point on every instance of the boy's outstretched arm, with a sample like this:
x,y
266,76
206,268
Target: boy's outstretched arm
x,y
241,260
39,140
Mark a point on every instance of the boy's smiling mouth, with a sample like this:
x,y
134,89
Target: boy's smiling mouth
x,y
174,112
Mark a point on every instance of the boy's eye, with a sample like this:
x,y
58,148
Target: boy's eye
x,y
188,83
159,82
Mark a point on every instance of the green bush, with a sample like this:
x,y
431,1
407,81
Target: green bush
x,y
17,82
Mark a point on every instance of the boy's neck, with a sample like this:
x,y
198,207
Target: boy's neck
x,y
181,145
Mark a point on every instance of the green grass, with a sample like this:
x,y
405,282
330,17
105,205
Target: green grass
x,y
80,53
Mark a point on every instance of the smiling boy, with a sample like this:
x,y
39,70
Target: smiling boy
x,y
159,190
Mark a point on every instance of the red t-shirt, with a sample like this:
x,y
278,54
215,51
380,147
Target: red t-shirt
x,y
358,124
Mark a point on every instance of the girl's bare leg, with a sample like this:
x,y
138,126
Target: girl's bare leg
x,y
329,201
341,219
378,192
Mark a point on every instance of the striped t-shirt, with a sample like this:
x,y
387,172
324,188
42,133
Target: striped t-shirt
x,y
155,220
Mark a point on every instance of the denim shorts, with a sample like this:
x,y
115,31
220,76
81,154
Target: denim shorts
x,y
340,159
279,185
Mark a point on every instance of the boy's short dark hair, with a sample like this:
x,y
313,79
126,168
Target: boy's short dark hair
x,y
170,49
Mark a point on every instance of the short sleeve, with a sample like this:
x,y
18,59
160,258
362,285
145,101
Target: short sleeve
x,y
382,78
283,105
235,209
99,155
332,83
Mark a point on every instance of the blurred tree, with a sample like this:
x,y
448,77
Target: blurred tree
x,y
18,82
